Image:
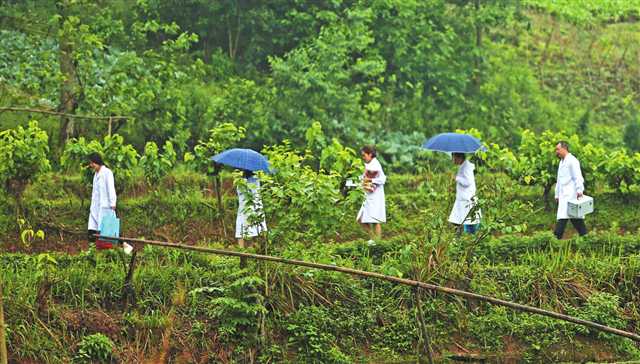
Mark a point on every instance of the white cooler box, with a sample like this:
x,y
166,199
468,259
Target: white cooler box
x,y
578,208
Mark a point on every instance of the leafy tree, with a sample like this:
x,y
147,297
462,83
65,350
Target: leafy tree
x,y
24,154
156,165
121,158
300,198
220,138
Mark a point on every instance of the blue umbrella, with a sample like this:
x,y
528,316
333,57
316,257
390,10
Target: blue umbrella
x,y
454,143
245,159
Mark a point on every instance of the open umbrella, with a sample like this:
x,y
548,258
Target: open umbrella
x,y
454,143
246,159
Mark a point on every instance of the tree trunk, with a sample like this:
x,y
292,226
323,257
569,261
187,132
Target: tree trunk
x,y
478,58
545,196
545,52
69,85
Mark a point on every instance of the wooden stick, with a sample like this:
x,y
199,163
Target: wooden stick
x,y
3,341
128,292
423,327
404,281
218,184
57,113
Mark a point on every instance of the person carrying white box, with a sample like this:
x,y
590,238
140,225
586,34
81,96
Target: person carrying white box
x,y
569,186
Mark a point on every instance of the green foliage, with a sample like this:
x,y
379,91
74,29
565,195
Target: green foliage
x,y
235,307
95,348
632,134
156,165
510,98
28,234
220,138
589,12
621,172
27,64
300,198
310,330
24,154
119,157
330,156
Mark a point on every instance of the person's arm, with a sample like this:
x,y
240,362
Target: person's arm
x,y
463,178
576,176
111,190
380,180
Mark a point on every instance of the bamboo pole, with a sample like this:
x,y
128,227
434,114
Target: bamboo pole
x,y
398,280
58,113
3,340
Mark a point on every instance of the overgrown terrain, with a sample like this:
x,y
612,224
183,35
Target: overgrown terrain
x,y
158,87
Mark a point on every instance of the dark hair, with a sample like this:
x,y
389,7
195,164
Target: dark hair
x,y
459,155
95,158
247,173
564,144
369,149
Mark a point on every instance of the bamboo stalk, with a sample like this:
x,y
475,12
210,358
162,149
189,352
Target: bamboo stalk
x,y
57,113
398,280
3,340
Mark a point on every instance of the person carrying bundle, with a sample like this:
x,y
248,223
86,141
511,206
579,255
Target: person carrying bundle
x,y
103,195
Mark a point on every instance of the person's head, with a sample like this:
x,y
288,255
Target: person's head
x,y
458,158
562,149
247,173
95,161
368,152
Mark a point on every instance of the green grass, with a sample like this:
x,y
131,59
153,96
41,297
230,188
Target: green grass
x,y
207,305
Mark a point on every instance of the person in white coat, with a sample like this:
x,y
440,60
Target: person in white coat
x,y
373,211
250,220
463,213
569,185
103,194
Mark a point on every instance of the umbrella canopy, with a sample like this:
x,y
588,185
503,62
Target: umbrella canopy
x,y
245,159
454,143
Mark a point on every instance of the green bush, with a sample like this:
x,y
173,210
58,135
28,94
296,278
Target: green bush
x,y
24,155
156,165
311,332
96,348
121,158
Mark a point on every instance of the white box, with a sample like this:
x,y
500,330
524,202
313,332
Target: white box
x,y
578,208
350,183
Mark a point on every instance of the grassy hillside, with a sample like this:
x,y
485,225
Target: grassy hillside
x,y
193,307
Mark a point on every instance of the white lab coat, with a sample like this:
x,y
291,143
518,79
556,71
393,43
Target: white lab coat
x,y
245,220
569,183
373,210
465,196
103,197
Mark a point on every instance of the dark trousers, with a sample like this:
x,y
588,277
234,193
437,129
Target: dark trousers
x,y
577,223
90,234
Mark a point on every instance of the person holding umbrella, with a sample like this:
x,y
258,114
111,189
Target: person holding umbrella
x,y
464,214
250,220
373,210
